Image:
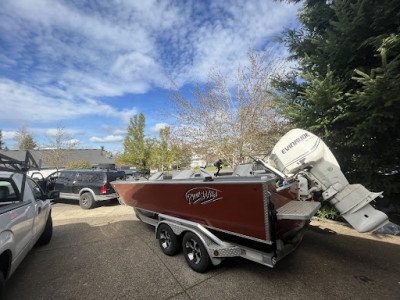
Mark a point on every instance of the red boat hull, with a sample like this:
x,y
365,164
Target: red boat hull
x,y
236,206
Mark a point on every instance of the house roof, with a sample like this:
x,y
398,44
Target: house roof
x,y
92,156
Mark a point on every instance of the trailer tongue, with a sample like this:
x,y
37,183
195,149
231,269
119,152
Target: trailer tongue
x,y
258,216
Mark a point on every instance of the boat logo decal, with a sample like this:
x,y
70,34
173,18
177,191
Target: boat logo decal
x,y
203,195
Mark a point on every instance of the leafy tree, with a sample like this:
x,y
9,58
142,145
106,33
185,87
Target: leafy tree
x,y
183,155
138,149
166,152
25,140
78,165
345,88
233,117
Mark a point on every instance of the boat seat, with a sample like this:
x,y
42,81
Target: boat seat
x,y
185,174
243,170
204,173
157,176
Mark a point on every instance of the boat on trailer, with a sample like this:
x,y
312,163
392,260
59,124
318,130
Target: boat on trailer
x,y
258,212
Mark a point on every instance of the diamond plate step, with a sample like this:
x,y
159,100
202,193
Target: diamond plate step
x,y
298,210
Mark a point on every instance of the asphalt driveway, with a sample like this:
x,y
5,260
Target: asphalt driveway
x,y
106,253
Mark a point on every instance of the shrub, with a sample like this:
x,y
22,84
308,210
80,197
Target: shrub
x,y
327,212
78,164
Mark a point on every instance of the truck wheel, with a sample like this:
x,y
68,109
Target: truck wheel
x,y
47,233
86,201
195,253
168,240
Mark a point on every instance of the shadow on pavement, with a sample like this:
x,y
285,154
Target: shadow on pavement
x,y
105,203
122,259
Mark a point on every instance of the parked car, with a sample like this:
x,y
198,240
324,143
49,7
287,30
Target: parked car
x,y
25,215
87,186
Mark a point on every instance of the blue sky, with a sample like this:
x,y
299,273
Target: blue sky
x,y
94,64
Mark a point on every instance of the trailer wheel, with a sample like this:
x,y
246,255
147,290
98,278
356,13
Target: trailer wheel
x,y
196,254
168,240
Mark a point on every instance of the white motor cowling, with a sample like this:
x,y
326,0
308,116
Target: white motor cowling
x,y
302,153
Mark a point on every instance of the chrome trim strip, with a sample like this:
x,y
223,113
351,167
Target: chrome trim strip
x,y
239,235
266,214
239,180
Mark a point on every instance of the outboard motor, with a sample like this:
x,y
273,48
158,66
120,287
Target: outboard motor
x,y
305,156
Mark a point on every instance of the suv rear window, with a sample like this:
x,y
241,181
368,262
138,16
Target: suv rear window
x,y
90,177
111,176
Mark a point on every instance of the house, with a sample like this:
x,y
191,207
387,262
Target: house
x,y
197,161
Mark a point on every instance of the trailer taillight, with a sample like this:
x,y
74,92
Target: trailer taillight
x,y
103,190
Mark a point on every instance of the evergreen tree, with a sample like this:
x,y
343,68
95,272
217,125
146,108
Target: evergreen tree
x,y
346,86
138,149
25,140
27,143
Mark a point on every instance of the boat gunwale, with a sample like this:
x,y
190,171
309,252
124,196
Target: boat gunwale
x,y
200,180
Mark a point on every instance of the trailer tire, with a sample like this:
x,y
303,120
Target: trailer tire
x,y
196,254
86,201
168,240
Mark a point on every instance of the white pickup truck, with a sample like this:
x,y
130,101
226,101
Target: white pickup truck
x,y
25,216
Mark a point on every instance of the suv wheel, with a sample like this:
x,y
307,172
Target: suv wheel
x,y
86,201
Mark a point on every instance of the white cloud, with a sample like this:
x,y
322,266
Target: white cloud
x,y
113,130
156,128
24,103
8,135
52,132
120,131
66,60
73,142
107,139
117,47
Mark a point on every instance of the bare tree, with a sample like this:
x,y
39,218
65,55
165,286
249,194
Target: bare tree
x,y
1,139
58,148
233,118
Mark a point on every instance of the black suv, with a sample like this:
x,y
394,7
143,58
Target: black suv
x,y
87,186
